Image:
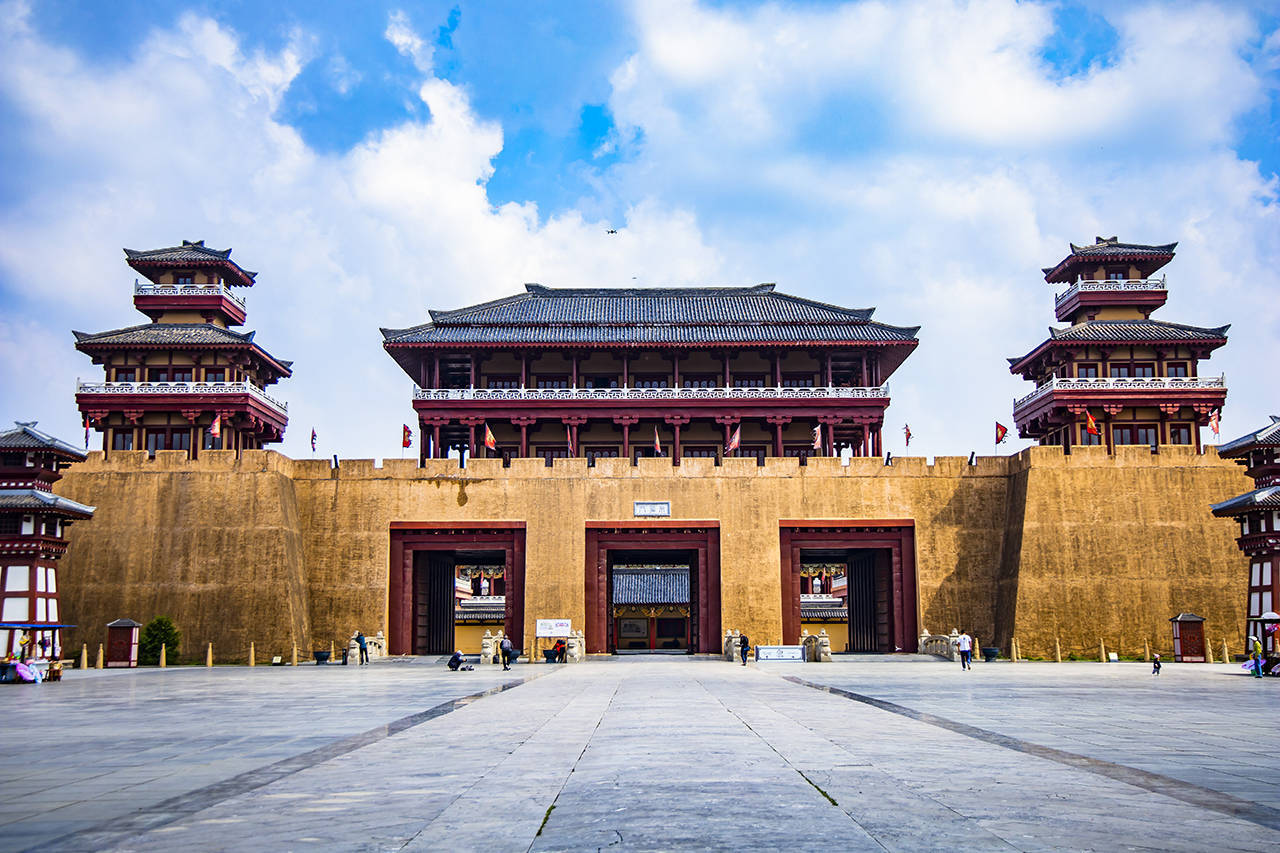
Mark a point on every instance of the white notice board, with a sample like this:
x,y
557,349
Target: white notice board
x,y
793,654
552,628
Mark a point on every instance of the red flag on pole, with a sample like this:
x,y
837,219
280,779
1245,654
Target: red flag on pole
x,y
906,431
313,440
817,437
1213,421
489,441
407,439
1001,432
568,438
657,445
86,433
1091,426
215,428
734,440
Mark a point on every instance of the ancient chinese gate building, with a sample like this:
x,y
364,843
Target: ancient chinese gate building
x,y
1258,513
33,530
186,380
601,373
1138,379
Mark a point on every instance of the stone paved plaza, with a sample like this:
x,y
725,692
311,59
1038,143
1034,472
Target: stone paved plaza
x,y
895,753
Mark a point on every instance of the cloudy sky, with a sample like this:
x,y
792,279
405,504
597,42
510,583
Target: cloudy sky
x,y
376,159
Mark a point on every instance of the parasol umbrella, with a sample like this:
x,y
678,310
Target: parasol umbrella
x,y
24,672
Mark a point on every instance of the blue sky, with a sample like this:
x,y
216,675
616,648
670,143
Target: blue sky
x,y
377,159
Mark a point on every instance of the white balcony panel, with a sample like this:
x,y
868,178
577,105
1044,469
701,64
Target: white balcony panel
x,y
634,394
1110,285
185,290
127,388
1116,383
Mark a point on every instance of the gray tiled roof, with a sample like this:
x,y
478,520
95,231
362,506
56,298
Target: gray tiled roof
x,y
172,334
1268,497
650,315
34,500
1138,330
166,333
1127,331
25,436
193,252
823,612
1110,248
1268,436
480,613
658,585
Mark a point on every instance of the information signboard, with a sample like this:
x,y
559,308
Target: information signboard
x,y
790,654
553,628
652,509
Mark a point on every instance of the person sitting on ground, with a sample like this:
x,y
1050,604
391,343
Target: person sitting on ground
x,y
457,660
559,648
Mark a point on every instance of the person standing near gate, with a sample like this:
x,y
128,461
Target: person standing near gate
x,y
965,646
364,647
746,647
506,647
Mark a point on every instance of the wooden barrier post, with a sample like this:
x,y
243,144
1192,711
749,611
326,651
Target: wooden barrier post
x,y
252,662
98,665
1208,653
164,656
1226,656
1013,649
1146,650
84,656
331,650
1057,650
294,659
208,655
1102,651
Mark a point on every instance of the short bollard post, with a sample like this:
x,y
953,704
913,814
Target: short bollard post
x,y
1057,650
331,650
84,656
252,662
164,656
1146,650
294,660
98,665
208,655
1102,651
1208,653
1013,649
1226,657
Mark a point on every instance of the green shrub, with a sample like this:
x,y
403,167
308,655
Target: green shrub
x,y
160,631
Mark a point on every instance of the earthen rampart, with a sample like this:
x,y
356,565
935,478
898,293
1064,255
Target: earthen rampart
x,y
280,551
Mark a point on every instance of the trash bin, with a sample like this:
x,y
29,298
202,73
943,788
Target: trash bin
x,y
549,655
321,657
990,653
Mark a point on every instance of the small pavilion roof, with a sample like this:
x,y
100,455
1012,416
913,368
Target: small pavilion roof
x,y
35,500
1266,498
1127,332
191,254
823,611
653,585
1109,250
1267,436
175,335
25,436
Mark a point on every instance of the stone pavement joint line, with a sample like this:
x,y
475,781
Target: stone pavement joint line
x,y
1258,813
175,809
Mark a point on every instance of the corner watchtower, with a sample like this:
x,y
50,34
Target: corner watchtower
x,y
1113,375
186,380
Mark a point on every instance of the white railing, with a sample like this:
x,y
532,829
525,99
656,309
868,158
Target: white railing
x,y
1116,383
633,394
124,388
1133,284
149,289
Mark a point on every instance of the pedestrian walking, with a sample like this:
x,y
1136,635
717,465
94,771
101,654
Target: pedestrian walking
x,y
746,647
364,647
1155,664
506,647
1255,655
965,646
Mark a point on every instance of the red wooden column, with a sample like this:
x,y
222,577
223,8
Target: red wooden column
x,y
827,360
435,370
473,372
675,422
524,422
435,441
778,422
524,369
573,383
777,370
626,369
726,368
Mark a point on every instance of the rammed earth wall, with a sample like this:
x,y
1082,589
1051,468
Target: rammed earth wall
x,y
280,551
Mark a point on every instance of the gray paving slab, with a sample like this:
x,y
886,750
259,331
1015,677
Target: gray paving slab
x,y
646,754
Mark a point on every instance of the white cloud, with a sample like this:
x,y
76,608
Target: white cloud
x,y
400,33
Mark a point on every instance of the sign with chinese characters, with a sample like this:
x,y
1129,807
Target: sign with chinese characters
x,y
652,509
790,654
552,628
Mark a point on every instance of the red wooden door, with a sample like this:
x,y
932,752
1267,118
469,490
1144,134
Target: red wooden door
x,y
1192,635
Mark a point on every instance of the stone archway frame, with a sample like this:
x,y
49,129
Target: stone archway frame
x,y
898,536
408,537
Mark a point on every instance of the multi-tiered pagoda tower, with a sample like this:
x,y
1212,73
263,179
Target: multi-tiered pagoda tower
x,y
1258,513
676,372
33,525
186,380
1114,375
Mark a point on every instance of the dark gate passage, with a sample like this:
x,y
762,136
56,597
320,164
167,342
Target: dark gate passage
x,y
668,544
421,587
880,579
652,600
